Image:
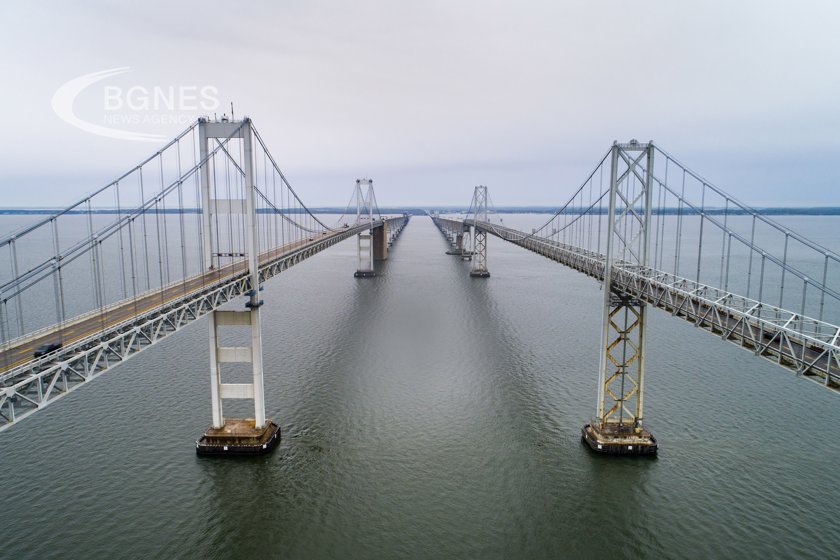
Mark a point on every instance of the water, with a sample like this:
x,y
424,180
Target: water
x,y
429,415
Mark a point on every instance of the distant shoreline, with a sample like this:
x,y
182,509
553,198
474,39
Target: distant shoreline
x,y
418,210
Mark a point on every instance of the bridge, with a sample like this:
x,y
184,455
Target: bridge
x,y
657,234
165,244
210,217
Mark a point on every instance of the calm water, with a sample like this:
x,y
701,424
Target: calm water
x,y
429,415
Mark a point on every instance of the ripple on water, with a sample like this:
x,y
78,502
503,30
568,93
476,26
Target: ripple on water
x,y
428,414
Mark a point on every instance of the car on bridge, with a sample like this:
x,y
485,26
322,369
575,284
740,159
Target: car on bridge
x,y
45,349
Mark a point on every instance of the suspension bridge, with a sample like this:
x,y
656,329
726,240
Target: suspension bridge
x,y
657,234
210,217
205,220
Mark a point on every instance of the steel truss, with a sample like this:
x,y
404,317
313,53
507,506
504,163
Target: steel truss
x,y
621,399
29,388
621,369
806,346
479,250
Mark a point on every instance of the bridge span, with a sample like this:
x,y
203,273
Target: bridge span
x,y
640,229
149,272
210,217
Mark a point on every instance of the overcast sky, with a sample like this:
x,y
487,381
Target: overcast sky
x,y
432,98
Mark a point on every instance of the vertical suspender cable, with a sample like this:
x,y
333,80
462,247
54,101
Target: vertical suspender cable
x,y
18,301
784,269
122,247
92,241
132,261
702,222
679,227
58,281
145,233
181,226
198,203
723,238
215,250
159,239
751,250
165,229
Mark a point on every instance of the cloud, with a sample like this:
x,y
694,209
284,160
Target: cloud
x,y
454,92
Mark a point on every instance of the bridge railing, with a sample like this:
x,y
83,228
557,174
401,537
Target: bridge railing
x,y
126,238
807,345
699,232
737,248
659,232
142,233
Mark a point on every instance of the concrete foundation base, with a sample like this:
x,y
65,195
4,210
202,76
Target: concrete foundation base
x,y
479,274
364,274
459,252
239,436
614,440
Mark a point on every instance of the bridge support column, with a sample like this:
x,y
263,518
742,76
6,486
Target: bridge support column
x,y
364,246
617,428
479,252
458,245
380,243
479,255
365,241
466,254
235,436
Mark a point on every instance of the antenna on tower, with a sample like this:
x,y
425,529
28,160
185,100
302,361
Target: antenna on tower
x,y
231,112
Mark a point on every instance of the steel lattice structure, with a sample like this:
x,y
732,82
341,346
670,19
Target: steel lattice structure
x,y
807,346
479,238
642,223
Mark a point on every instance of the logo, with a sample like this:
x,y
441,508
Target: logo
x,y
127,111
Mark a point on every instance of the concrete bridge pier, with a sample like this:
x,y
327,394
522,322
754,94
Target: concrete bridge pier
x,y
466,254
365,241
372,246
237,436
234,436
365,251
380,243
458,241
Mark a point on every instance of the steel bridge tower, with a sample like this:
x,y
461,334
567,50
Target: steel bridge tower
x,y
479,252
617,427
234,436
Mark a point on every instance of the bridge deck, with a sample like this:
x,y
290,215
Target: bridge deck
x,y
79,328
807,346
96,342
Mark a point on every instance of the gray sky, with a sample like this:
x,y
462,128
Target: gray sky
x,y
431,98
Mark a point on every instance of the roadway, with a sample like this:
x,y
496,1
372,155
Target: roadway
x,y
74,330
814,357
